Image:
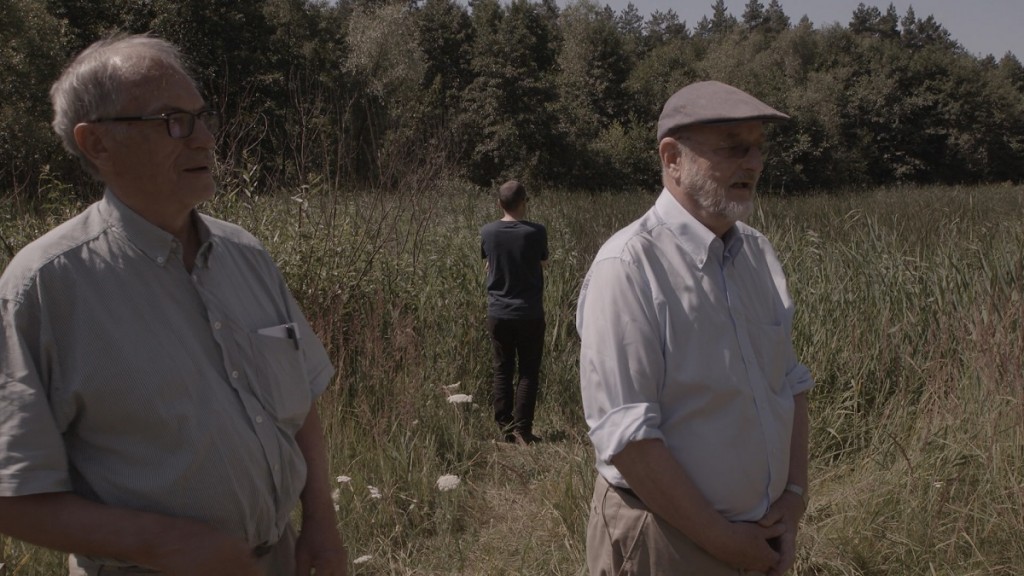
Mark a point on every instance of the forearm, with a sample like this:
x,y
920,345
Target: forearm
x,y
320,548
67,522
787,510
664,486
798,449
669,492
316,495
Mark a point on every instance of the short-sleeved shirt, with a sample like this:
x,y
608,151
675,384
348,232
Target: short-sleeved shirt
x,y
514,250
131,382
686,337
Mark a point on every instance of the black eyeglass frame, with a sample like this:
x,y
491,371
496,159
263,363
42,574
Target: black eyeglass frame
x,y
203,115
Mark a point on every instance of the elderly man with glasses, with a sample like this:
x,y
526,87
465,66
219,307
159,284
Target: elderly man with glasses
x,y
157,379
696,402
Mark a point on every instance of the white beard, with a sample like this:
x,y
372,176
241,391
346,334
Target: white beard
x,y
713,198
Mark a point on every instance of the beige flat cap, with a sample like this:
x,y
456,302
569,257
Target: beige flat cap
x,y
713,102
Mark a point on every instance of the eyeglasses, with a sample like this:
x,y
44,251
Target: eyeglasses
x,y
734,152
180,124
740,151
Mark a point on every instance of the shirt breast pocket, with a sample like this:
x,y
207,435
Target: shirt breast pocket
x,y
279,379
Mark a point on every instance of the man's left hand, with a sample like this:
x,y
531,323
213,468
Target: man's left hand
x,y
787,510
320,549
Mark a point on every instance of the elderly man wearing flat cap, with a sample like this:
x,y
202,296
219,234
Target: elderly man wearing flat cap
x,y
694,396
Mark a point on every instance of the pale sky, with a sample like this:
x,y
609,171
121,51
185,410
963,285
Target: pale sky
x,y
982,27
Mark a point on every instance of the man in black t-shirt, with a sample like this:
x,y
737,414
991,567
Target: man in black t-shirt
x,y
516,251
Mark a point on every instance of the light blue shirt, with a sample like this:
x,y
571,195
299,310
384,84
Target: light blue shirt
x,y
686,337
132,382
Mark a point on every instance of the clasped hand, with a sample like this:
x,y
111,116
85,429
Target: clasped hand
x,y
785,513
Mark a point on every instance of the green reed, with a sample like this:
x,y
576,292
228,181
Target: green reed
x,y
909,312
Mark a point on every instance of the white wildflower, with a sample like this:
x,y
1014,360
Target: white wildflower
x,y
448,482
362,559
374,492
343,479
452,386
460,398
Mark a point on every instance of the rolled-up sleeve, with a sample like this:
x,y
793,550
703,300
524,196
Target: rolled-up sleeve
x,y
798,377
316,362
32,454
621,365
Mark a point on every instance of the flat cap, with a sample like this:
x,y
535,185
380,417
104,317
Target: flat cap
x,y
712,102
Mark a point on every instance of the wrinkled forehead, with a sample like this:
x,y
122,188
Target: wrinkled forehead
x,y
154,84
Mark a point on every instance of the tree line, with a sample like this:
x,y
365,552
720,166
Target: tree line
x,y
359,92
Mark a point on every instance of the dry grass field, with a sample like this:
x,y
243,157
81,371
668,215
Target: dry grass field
x,y
910,315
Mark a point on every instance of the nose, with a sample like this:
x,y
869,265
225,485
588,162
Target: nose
x,y
754,160
201,136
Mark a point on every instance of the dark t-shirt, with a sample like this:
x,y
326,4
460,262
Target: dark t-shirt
x,y
515,282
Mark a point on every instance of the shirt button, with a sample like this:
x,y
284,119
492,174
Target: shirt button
x,y
160,259
216,325
234,374
259,419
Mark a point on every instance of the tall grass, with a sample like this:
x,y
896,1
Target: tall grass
x,y
909,315
911,320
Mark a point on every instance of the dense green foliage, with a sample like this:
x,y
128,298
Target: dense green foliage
x,y
909,315
351,90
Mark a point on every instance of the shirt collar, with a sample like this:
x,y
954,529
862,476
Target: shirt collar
x,y
156,243
702,244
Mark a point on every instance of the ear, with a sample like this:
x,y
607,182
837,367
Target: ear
x,y
92,141
669,153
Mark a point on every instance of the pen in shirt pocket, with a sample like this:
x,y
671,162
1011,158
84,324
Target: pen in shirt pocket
x,y
293,333
289,331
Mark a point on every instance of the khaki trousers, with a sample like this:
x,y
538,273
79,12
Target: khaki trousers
x,y
624,538
280,561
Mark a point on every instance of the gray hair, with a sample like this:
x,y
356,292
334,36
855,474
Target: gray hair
x,y
93,85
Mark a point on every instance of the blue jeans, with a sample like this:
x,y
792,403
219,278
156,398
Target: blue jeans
x,y
513,338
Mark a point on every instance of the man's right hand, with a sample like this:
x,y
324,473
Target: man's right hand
x,y
207,552
744,545
667,490
176,546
